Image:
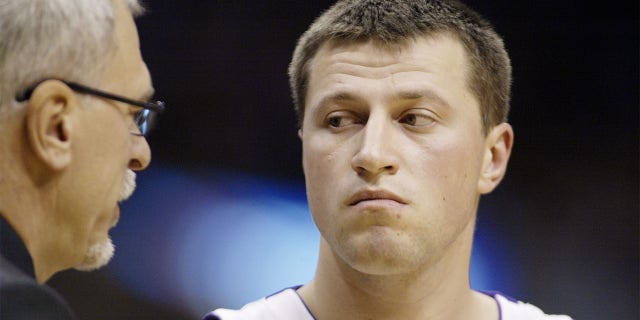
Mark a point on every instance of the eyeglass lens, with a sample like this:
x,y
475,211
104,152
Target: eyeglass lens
x,y
142,122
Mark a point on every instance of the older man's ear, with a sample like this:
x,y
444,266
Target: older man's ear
x,y
49,123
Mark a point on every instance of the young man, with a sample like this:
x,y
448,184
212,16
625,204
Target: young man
x,y
403,108
73,112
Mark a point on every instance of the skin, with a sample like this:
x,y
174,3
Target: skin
x,y
128,76
395,162
63,196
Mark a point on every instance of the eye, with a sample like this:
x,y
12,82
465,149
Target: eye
x,y
340,119
139,116
417,118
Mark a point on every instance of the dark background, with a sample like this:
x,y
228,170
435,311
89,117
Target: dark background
x,y
569,204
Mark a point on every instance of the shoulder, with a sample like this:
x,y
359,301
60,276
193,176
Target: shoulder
x,y
21,297
283,305
512,309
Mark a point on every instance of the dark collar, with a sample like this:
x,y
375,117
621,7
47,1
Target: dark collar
x,y
13,249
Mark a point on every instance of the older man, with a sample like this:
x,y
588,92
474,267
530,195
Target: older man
x,y
402,107
73,114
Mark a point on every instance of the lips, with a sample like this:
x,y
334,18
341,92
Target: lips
x,y
378,195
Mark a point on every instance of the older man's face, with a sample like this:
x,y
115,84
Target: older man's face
x,y
106,153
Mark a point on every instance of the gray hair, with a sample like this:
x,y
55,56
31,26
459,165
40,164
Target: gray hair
x,y
391,23
68,39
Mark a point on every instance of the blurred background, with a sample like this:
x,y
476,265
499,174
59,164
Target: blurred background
x,y
220,216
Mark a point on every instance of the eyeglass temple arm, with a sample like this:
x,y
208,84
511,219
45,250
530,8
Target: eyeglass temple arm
x,y
157,106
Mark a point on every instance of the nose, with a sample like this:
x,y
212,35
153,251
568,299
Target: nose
x,y
141,154
376,152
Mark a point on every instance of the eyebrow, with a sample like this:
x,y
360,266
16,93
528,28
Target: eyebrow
x,y
337,96
148,95
410,94
423,94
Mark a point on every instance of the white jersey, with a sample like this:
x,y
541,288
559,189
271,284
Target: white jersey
x,y
287,305
511,309
284,305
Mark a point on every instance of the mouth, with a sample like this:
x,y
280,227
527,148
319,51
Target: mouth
x,y
379,196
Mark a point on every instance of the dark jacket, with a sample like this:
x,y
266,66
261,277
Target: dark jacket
x,y
21,297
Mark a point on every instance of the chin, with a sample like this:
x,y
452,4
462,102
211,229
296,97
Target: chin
x,y
382,267
97,255
379,257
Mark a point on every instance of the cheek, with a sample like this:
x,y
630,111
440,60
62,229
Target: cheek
x,y
323,169
449,173
315,165
320,159
108,179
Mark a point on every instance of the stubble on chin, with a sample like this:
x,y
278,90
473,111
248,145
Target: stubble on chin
x,y
97,255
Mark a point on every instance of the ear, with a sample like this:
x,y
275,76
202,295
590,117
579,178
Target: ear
x,y
300,133
499,143
49,125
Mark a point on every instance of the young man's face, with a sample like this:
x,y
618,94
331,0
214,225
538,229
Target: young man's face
x,y
392,151
105,151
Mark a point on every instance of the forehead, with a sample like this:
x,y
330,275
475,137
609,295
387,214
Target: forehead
x,y
440,45
436,62
127,73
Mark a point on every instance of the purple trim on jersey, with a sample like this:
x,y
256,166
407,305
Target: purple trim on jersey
x,y
210,316
285,289
295,289
493,295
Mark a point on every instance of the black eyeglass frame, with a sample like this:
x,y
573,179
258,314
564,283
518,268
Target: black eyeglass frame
x,y
141,120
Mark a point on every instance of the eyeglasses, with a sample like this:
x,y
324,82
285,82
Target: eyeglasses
x,y
142,119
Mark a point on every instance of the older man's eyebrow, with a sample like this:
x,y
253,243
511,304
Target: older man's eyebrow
x,y
148,95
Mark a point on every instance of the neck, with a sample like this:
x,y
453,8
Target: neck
x,y
27,204
23,214
438,290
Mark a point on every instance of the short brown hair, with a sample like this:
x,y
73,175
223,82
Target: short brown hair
x,y
392,22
